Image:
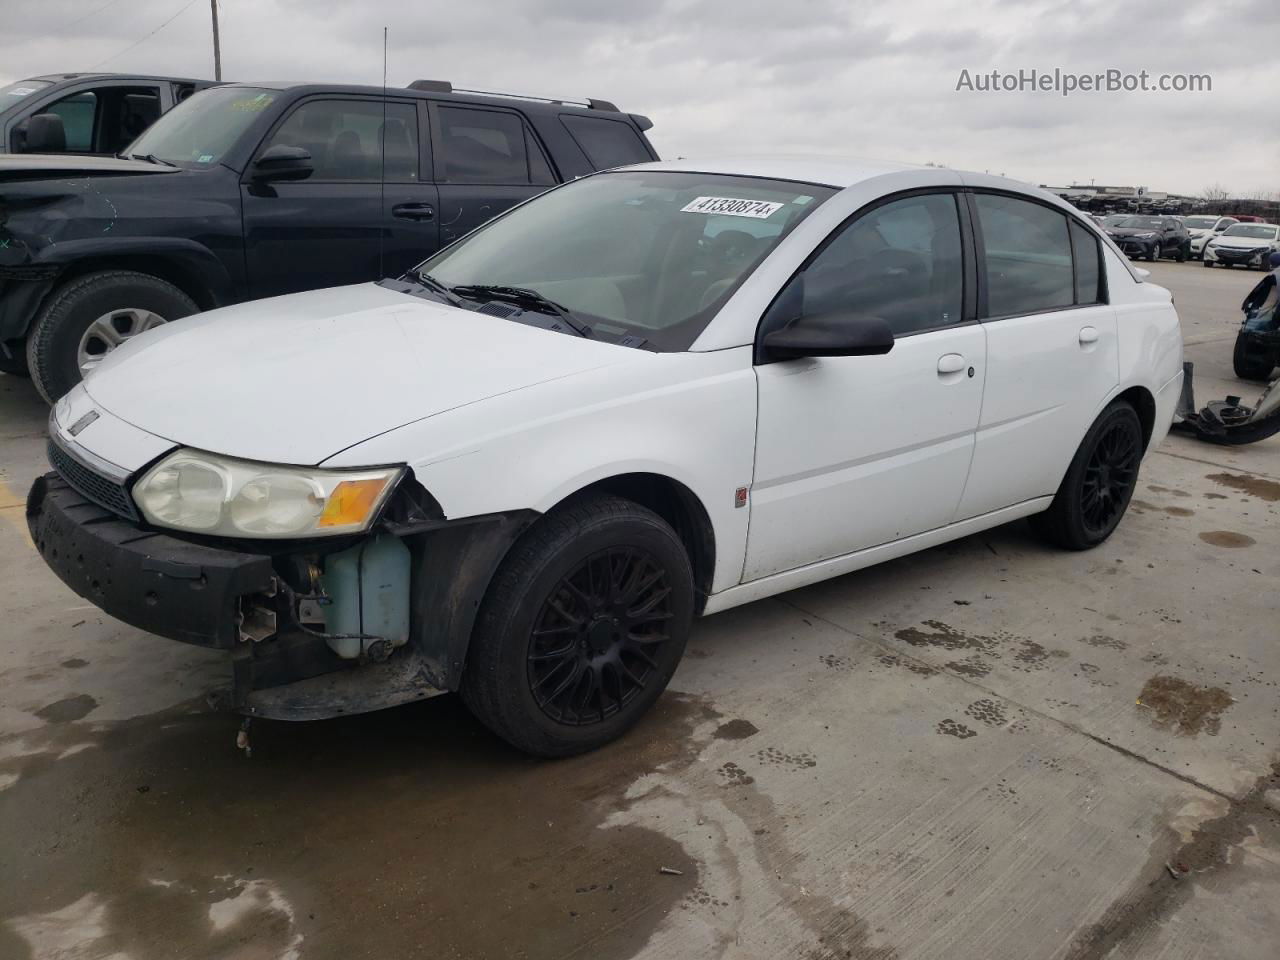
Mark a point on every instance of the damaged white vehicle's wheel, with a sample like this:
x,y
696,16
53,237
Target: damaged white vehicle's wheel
x,y
582,627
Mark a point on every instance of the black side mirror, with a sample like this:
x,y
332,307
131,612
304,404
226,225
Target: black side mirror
x,y
833,334
44,133
283,163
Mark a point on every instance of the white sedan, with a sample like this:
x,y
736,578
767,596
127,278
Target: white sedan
x,y
523,469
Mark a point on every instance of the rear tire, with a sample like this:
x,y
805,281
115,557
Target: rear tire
x,y
1247,364
54,345
581,629
1207,263
1099,484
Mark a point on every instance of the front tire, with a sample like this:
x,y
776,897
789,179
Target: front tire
x,y
581,629
1098,485
87,318
1246,363
1155,252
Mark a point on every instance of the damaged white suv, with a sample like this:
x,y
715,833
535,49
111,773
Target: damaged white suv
x,y
520,471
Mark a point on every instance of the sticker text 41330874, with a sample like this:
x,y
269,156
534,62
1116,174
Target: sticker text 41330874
x,y
731,207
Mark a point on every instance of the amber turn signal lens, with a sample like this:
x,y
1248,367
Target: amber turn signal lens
x,y
351,502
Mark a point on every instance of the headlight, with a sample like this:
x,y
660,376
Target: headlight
x,y
206,493
1145,236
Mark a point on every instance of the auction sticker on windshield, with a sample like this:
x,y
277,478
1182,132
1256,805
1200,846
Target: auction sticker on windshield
x,y
731,207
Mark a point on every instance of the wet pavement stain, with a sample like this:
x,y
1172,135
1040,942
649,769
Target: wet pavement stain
x,y
1185,708
68,709
774,756
75,663
1103,640
915,666
1215,496
987,711
951,728
1226,538
1179,512
1268,490
402,834
974,667
946,637
736,730
735,776
1214,848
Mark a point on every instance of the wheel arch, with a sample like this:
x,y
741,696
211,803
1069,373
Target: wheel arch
x,y
1144,402
195,282
678,506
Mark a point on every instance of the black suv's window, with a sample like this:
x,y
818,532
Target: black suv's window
x,y
900,262
607,143
488,146
1028,256
344,138
77,113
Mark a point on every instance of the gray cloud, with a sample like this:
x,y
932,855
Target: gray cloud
x,y
720,76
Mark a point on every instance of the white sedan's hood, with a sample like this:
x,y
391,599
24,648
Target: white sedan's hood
x,y
296,379
1242,243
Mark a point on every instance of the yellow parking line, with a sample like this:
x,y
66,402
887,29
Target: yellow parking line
x,y
11,510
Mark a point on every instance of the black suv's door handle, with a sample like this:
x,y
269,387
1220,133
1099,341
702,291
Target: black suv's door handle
x,y
414,211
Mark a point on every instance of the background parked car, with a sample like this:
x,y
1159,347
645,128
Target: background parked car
x,y
248,191
1203,227
101,113
1246,244
1152,237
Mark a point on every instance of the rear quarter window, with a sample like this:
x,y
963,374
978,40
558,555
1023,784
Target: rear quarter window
x,y
607,143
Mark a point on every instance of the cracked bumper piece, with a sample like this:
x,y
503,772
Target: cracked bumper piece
x,y
160,584
214,597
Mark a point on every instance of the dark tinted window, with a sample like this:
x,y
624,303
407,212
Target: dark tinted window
x,y
1028,256
77,112
482,146
900,262
1088,265
539,169
607,143
345,138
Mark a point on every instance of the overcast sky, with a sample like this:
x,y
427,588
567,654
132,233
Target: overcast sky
x,y
716,76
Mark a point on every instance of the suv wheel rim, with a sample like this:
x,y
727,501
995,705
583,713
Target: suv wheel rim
x,y
109,331
1108,479
597,640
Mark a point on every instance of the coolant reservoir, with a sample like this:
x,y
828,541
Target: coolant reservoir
x,y
368,588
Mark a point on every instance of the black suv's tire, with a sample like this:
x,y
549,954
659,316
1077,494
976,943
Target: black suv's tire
x,y
53,346
1099,483
1247,364
581,628
15,365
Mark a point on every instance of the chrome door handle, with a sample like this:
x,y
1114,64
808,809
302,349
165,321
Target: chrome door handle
x,y
950,363
1088,335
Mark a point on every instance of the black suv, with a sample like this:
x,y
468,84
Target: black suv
x,y
1143,235
254,190
100,113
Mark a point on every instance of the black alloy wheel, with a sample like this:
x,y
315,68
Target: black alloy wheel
x,y
1109,477
599,635
1099,483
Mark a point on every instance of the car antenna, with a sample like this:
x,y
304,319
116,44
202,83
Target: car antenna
x,y
382,159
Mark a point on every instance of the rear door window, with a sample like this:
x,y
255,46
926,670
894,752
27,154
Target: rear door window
x,y
607,143
487,146
1027,256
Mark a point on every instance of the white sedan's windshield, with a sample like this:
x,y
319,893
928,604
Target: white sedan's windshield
x,y
647,253
1259,231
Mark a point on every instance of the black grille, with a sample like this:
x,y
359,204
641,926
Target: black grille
x,y
90,484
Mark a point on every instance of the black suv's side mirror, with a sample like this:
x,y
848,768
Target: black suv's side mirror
x,y
43,133
833,334
282,162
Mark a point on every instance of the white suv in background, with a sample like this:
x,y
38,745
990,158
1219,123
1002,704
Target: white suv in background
x,y
1203,227
521,470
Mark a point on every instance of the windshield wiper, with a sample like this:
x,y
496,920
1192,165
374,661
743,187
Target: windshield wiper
x,y
149,157
435,286
524,296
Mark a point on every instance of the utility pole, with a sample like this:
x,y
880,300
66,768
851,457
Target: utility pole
x,y
217,44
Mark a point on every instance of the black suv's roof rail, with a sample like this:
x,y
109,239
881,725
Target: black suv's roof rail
x,y
444,86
